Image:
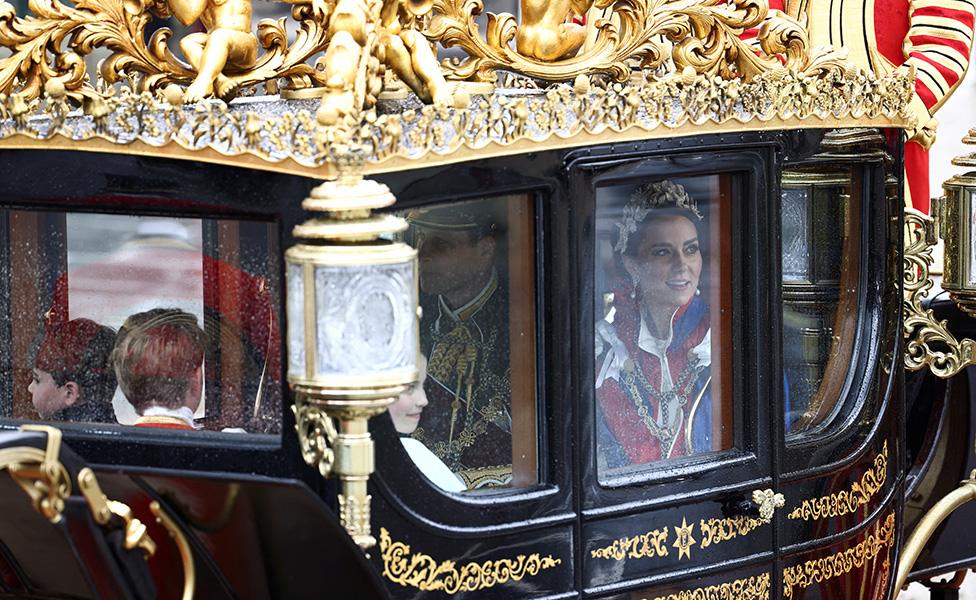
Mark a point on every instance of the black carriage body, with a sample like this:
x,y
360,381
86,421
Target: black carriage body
x,y
836,536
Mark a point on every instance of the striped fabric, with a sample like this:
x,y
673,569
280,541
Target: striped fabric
x,y
938,44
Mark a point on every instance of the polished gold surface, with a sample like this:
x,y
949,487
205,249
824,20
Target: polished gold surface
x,y
102,509
881,538
183,545
423,572
966,492
922,330
846,501
751,588
44,479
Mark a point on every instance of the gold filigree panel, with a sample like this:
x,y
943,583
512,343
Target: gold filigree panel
x,y
846,501
752,588
811,572
655,543
421,571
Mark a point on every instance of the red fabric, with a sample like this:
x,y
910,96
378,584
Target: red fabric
x,y
961,16
923,40
950,75
917,175
891,23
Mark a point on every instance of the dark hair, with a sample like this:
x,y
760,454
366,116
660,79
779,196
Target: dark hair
x,y
156,354
79,350
633,242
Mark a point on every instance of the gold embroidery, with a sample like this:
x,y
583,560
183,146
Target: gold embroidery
x,y
822,569
647,545
846,502
422,572
753,588
715,531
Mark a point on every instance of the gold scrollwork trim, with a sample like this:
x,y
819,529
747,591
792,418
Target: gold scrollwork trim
x,y
752,588
422,572
846,501
654,543
857,557
921,328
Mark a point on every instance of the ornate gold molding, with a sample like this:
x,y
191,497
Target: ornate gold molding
x,y
753,588
49,46
846,501
695,37
283,135
424,573
921,328
823,569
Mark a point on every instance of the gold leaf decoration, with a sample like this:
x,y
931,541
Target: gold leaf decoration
x,y
882,538
752,588
646,545
921,328
424,573
50,44
715,531
846,501
700,35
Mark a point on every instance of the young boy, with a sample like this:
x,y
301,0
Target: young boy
x,y
158,358
71,378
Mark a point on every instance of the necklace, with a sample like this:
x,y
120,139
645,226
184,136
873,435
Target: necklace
x,y
669,403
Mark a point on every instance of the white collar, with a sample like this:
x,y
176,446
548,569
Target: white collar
x,y
182,413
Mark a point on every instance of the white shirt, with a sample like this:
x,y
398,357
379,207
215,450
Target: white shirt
x,y
432,467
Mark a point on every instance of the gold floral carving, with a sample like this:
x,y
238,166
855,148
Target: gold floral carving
x,y
752,588
923,332
846,501
424,573
701,36
801,576
646,545
316,436
49,46
715,531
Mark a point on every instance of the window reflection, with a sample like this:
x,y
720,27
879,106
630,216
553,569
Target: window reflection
x,y
820,271
657,385
84,277
478,339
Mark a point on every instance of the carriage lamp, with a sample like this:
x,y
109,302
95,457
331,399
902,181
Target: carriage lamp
x,y
352,330
954,215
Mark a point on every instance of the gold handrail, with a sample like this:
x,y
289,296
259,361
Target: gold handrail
x,y
930,522
186,554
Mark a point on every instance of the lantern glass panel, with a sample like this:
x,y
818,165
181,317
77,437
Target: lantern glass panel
x,y
296,320
796,234
968,237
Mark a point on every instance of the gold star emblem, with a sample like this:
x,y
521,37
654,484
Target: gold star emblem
x,y
684,541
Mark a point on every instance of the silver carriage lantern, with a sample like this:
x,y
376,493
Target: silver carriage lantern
x,y
353,333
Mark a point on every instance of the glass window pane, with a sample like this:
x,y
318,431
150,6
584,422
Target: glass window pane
x,y
472,424
147,321
662,323
819,292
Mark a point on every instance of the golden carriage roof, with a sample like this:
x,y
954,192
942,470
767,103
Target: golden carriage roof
x,y
654,68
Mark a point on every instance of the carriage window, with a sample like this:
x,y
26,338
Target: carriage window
x,y
820,273
152,322
663,322
471,424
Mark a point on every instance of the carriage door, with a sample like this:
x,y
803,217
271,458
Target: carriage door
x,y
678,386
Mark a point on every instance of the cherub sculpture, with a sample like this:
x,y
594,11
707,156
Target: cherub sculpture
x,y
377,32
228,44
547,31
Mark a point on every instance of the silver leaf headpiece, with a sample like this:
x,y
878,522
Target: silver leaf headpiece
x,y
650,197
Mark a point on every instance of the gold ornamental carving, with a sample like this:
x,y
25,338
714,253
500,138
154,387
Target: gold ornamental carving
x,y
316,436
929,343
751,588
803,575
846,501
49,46
697,36
423,572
